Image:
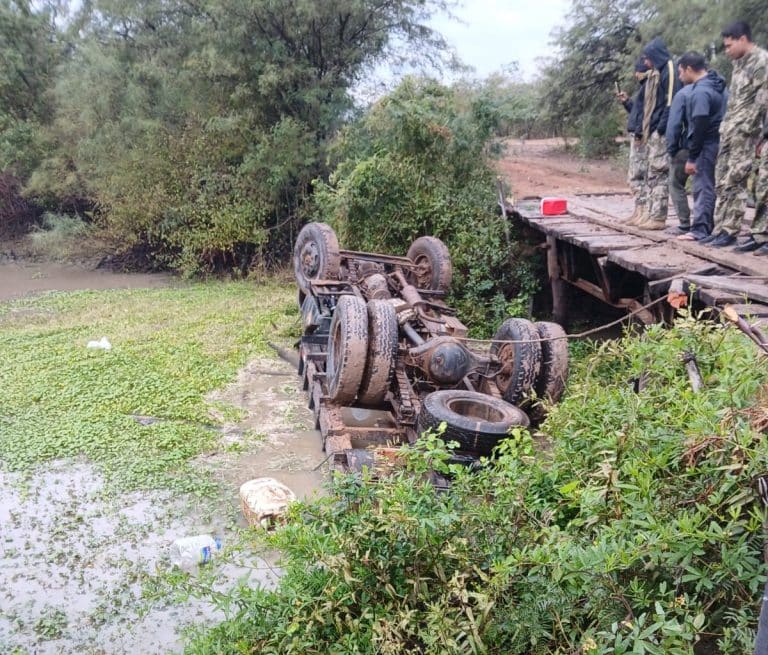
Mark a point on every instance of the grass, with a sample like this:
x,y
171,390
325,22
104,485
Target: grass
x,y
170,347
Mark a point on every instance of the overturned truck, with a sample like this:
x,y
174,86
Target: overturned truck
x,y
384,358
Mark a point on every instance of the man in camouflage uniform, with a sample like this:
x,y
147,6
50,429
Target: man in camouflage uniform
x,y
638,153
758,238
660,88
739,134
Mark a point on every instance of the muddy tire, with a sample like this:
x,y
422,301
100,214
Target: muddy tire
x,y
382,352
432,262
316,255
476,421
520,362
554,362
347,348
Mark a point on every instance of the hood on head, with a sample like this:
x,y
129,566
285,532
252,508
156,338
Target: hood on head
x,y
657,52
716,80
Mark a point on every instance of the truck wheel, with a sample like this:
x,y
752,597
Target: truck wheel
x,y
554,362
432,264
347,346
520,362
316,254
477,421
382,352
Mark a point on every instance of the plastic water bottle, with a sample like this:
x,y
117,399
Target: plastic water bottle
x,y
188,552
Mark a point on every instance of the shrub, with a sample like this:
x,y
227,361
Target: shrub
x,y
634,531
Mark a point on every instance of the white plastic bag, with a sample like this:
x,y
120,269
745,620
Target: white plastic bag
x,y
101,344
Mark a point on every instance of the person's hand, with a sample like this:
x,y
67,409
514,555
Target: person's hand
x,y
690,168
622,96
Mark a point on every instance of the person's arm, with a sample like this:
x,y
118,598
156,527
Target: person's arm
x,y
675,124
700,108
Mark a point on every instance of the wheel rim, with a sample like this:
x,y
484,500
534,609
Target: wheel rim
x,y
310,259
422,271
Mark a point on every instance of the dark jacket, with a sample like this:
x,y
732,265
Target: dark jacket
x,y
705,109
634,107
657,52
677,124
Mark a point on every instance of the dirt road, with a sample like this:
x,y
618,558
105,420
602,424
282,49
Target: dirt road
x,y
544,167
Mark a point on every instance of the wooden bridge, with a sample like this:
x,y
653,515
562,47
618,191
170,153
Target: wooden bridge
x,y
591,249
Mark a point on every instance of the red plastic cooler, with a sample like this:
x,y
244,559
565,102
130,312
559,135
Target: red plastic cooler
x,y
554,206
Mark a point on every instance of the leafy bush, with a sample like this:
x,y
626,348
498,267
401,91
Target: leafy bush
x,y
633,530
418,163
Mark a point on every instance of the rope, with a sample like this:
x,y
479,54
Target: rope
x,y
579,335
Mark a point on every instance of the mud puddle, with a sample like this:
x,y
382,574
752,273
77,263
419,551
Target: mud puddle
x,y
277,431
77,561
21,278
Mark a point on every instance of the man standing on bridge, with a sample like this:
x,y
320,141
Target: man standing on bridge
x,y
638,152
739,132
705,107
660,88
757,240
677,148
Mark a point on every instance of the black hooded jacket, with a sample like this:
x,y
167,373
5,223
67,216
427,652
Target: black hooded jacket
x,y
634,107
657,52
704,111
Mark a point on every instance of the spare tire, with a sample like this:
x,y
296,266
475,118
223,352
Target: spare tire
x,y
476,421
432,264
316,254
520,362
554,361
347,347
382,352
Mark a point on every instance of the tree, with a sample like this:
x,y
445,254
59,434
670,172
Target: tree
x,y
31,51
196,127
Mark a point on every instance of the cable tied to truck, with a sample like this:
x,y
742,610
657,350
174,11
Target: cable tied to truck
x,y
579,335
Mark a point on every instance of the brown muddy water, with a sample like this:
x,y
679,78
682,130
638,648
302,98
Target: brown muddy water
x,y
80,564
21,278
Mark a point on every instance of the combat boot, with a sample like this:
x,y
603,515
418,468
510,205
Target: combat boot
x,y
636,215
649,223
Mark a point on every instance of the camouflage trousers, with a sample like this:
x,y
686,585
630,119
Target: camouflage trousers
x,y
760,224
734,164
638,165
657,177
677,181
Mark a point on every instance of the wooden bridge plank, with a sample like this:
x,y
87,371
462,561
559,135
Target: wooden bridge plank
x,y
656,262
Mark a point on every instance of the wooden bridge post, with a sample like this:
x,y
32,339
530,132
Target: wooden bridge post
x,y
557,284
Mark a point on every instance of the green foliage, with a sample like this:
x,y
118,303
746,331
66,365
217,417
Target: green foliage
x,y
634,531
597,135
60,237
195,129
30,53
169,348
519,106
419,163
